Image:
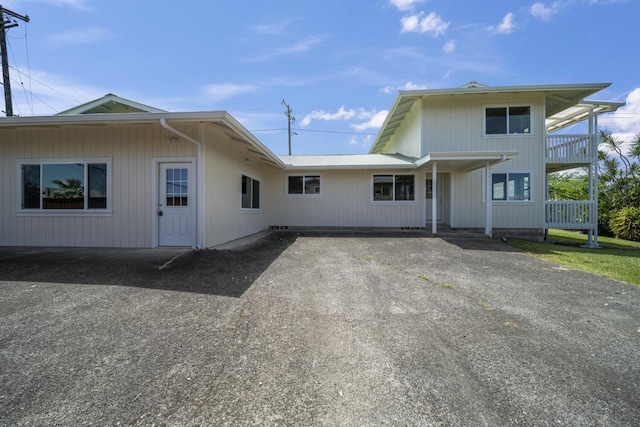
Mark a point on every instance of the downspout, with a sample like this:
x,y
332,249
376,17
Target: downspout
x,y
199,178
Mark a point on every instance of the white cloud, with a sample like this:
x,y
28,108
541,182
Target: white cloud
x,y
625,123
369,119
299,47
413,86
221,91
450,46
404,5
375,122
506,26
406,86
541,11
431,23
51,93
78,37
341,114
271,29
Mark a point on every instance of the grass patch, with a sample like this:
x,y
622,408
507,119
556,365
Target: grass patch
x,y
617,259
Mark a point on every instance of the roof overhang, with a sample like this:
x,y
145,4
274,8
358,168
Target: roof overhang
x,y
348,161
558,98
464,161
111,103
231,126
446,162
579,113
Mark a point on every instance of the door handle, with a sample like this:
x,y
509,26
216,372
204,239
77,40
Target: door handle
x,y
159,213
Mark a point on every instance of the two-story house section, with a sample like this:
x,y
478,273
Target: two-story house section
x,y
116,173
486,153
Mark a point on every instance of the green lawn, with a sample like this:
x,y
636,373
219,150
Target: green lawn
x,y
617,259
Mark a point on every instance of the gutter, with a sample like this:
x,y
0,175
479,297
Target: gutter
x,y
199,178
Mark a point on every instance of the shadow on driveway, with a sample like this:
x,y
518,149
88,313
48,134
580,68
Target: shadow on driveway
x,y
214,272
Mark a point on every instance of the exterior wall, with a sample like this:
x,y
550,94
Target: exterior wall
x,y
407,138
225,161
345,202
130,149
453,124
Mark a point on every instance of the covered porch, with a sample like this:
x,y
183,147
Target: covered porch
x,y
433,163
564,152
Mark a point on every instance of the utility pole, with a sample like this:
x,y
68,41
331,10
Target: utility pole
x,y
5,24
290,120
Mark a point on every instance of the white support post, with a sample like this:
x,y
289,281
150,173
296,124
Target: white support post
x,y
592,241
488,223
434,199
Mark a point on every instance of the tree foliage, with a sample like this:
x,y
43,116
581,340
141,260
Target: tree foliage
x,y
619,180
618,185
626,224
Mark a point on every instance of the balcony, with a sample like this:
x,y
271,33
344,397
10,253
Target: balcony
x,y
571,214
570,151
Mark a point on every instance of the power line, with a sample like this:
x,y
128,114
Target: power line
x,y
315,130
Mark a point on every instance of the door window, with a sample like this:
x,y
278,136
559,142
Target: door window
x,y
177,187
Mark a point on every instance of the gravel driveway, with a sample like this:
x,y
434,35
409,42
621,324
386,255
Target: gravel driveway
x,y
312,329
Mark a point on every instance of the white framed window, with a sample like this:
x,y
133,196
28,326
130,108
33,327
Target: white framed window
x,y
304,186
507,120
393,188
65,186
511,186
250,193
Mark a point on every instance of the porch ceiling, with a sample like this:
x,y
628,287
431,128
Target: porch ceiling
x,y
578,113
465,162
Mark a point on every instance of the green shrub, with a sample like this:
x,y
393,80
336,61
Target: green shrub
x,y
626,224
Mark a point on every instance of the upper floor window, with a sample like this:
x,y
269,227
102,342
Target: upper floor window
x,y
304,185
250,193
73,185
507,120
393,188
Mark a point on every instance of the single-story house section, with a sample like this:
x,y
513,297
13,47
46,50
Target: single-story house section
x,y
116,173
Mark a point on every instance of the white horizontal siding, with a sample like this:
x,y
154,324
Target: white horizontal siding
x,y
225,161
456,124
406,141
345,202
131,149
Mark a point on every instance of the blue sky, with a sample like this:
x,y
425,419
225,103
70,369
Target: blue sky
x,y
338,64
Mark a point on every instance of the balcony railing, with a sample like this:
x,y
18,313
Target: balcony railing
x,y
571,214
571,149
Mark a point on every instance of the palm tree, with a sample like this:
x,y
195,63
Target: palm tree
x,y
70,188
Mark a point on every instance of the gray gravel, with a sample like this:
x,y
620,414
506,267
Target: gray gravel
x,y
315,329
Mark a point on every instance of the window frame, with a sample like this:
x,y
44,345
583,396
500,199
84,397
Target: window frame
x,y
85,211
303,195
507,107
506,200
393,199
252,197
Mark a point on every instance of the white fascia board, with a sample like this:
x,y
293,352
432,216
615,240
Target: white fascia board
x,y
141,118
595,87
466,156
351,167
110,118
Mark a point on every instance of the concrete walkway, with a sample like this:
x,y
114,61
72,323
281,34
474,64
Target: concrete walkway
x,y
313,329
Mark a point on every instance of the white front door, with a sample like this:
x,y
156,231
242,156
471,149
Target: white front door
x,y
176,205
429,198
